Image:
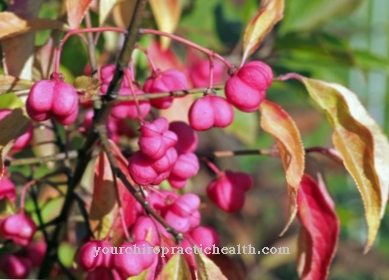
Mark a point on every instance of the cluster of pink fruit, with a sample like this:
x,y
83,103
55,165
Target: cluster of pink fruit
x,y
19,229
166,152
181,212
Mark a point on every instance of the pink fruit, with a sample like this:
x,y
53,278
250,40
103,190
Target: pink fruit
x,y
106,75
200,72
53,98
165,81
227,191
127,109
246,89
186,204
145,229
132,264
186,166
145,171
35,252
204,235
179,223
7,189
19,228
16,267
102,273
209,111
23,140
156,139
187,137
89,258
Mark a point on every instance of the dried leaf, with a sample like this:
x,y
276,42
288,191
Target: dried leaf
x,y
76,11
167,14
123,12
103,210
11,127
320,230
277,122
13,84
11,25
176,269
207,269
88,85
270,13
360,141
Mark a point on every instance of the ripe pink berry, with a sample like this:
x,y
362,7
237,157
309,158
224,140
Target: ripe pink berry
x,y
102,273
7,189
23,140
145,229
187,137
145,171
87,258
200,72
133,264
204,235
127,109
53,98
35,252
156,139
16,267
186,166
165,81
106,75
227,191
246,89
209,111
19,228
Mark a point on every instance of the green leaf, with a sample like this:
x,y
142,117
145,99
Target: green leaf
x,y
309,15
360,141
176,269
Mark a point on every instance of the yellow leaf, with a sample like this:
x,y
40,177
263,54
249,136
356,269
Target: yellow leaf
x,y
12,84
76,11
207,269
270,13
105,8
167,14
360,141
277,122
175,269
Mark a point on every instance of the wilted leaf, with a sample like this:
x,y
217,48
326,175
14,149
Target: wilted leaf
x,y
11,127
270,13
127,200
167,14
277,122
320,230
104,202
360,141
176,269
12,84
11,25
123,12
76,11
87,85
105,8
207,269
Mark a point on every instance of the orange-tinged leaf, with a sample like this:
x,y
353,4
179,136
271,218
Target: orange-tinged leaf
x,y
271,11
175,269
103,209
320,230
360,141
11,25
277,122
167,14
207,269
11,127
127,200
13,84
76,11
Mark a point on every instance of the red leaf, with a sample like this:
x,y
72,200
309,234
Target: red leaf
x,y
320,230
76,11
